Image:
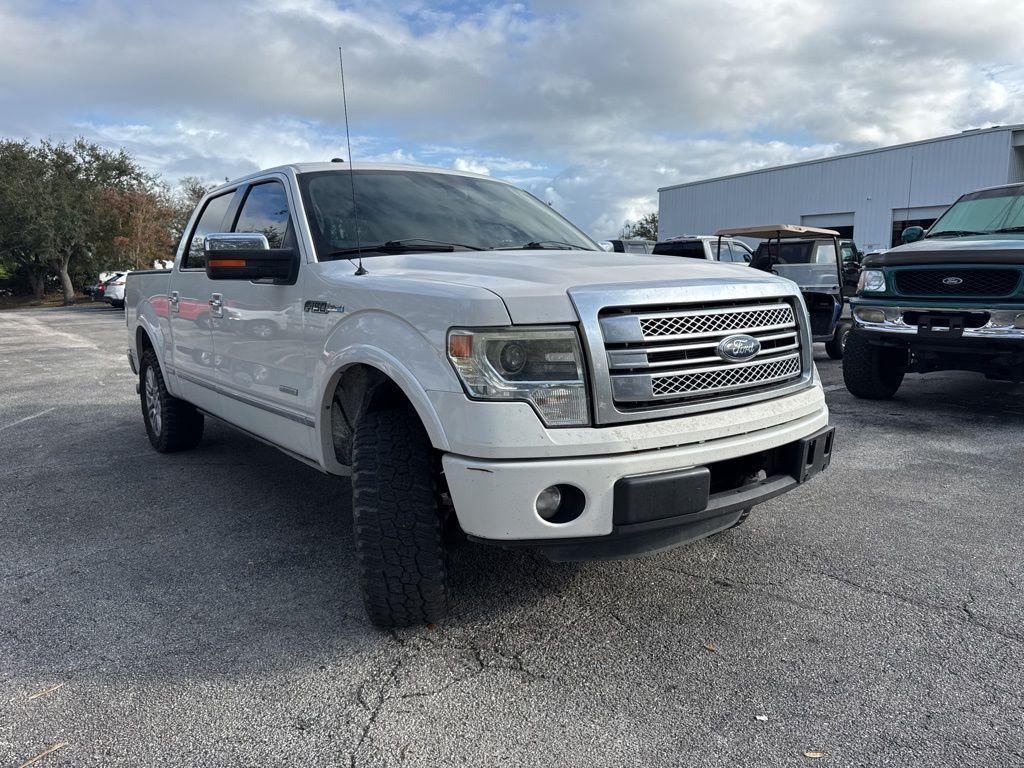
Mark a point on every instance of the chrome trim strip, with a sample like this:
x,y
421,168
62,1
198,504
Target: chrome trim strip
x,y
618,359
711,311
298,418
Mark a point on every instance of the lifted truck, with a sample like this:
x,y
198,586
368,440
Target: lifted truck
x,y
477,364
951,299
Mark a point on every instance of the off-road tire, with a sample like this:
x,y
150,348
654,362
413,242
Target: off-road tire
x,y
399,530
836,346
179,425
872,372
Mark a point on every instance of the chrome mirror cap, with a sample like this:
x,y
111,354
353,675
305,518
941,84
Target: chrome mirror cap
x,y
235,241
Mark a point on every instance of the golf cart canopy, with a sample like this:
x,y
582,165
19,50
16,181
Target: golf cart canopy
x,y
776,232
808,256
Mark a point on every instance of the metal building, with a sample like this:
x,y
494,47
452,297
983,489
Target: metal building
x,y
869,196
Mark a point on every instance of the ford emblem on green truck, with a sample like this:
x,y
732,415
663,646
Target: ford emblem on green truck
x,y
949,299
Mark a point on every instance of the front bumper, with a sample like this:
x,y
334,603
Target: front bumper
x,y
905,320
496,500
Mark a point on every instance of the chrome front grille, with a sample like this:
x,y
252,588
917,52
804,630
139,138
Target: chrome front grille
x,y
672,355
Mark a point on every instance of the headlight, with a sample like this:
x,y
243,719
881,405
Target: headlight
x,y
541,366
872,280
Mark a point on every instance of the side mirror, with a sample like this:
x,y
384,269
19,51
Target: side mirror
x,y
912,234
248,256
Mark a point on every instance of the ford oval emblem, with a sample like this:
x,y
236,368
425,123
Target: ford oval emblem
x,y
952,280
738,348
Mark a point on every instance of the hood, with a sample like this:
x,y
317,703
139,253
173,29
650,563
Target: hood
x,y
535,284
982,249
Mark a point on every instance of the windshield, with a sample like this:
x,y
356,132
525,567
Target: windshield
x,y
423,206
982,213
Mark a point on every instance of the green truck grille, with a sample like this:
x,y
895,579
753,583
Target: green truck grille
x,y
957,282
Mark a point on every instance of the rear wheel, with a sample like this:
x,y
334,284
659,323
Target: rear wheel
x,y
872,372
399,525
171,424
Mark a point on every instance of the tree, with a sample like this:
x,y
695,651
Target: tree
x,y
644,228
138,221
23,214
80,178
183,202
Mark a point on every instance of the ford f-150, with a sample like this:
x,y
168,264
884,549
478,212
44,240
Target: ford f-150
x,y
479,366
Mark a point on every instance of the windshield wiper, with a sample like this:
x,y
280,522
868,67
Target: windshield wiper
x,y
955,233
541,245
1018,228
405,245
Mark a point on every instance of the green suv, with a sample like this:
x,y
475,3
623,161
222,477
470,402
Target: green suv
x,y
949,299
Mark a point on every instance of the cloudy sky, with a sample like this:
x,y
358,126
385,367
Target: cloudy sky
x,y
591,104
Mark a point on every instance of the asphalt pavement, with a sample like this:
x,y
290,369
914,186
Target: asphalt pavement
x,y
202,608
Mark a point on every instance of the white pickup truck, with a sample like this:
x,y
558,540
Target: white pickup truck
x,y
477,365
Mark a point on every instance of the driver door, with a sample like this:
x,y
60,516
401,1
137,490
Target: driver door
x,y
262,354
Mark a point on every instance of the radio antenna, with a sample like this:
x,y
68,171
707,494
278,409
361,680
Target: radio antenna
x,y
351,172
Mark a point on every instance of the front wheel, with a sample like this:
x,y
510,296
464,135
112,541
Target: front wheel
x,y
399,526
171,424
836,346
870,371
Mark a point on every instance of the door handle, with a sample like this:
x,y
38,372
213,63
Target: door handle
x,y
217,304
174,300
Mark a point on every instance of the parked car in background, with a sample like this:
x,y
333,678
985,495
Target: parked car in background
x,y
705,247
628,246
951,298
113,290
95,291
476,363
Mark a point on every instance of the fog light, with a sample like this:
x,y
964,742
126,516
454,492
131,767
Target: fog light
x,y
548,502
869,315
1018,321
560,504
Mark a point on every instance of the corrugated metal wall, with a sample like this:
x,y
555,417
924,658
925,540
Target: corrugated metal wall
x,y
871,185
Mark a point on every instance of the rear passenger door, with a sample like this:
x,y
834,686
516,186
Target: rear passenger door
x,y
259,341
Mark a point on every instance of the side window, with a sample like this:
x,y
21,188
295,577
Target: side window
x,y
265,210
740,253
211,220
825,253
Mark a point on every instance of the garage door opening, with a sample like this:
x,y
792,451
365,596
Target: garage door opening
x,y
840,222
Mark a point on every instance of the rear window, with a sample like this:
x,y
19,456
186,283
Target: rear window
x,y
693,249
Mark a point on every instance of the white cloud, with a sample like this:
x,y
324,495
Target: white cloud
x,y
470,165
591,104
